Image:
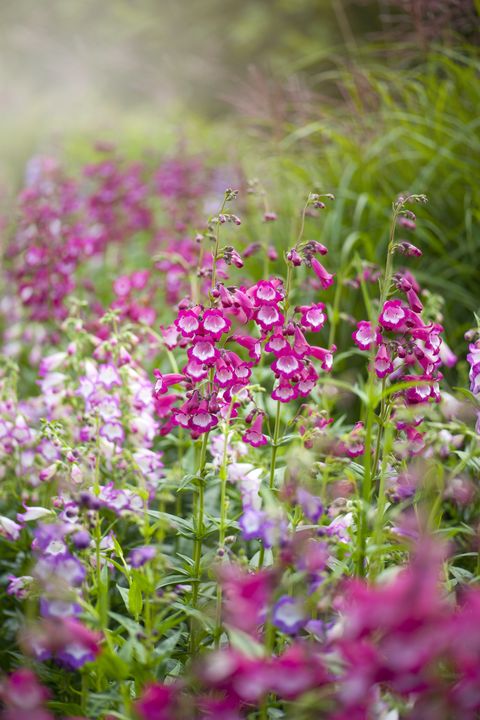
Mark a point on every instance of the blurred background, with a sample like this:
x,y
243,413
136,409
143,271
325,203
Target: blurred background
x,y
365,98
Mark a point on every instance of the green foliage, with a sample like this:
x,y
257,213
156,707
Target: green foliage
x,y
415,130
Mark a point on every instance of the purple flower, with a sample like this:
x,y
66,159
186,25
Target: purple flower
x,y
19,587
9,529
141,555
311,505
57,608
289,615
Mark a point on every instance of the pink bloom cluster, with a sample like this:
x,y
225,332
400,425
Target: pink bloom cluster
x,y
50,241
117,204
23,697
127,289
215,375
473,359
407,349
401,639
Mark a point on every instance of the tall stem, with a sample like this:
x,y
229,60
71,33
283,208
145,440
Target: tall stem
x,y
223,520
199,533
276,433
199,520
369,472
217,240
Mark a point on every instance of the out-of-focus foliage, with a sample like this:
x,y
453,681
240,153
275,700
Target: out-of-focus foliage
x,y
345,94
394,131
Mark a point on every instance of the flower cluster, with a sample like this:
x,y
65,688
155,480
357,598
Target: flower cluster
x,y
473,359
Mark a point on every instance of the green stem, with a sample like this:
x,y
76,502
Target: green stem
x,y
217,241
276,433
367,483
381,504
223,520
84,692
199,533
370,415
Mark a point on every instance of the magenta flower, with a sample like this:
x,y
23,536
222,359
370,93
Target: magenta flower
x,y
325,356
265,292
313,316
187,322
251,344
246,597
366,335
254,435
163,382
393,315
23,697
214,324
284,392
156,702
383,363
287,365
269,317
203,351
276,343
326,279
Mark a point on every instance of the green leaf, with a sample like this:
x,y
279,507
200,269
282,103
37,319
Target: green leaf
x,y
135,599
124,593
245,643
173,580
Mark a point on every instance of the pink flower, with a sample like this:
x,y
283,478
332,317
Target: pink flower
x,y
265,293
284,392
196,371
23,697
156,702
326,279
122,286
163,382
214,324
169,335
246,596
254,435
276,343
365,335
268,316
294,257
187,322
287,365
383,363
393,315
251,344
313,316
325,356
203,351
414,301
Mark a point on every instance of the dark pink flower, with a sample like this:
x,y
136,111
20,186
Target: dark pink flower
x,y
393,315
287,365
187,322
214,324
265,292
268,317
156,702
383,363
254,435
366,335
313,316
326,279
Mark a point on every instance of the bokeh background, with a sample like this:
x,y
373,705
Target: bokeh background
x,y
365,98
